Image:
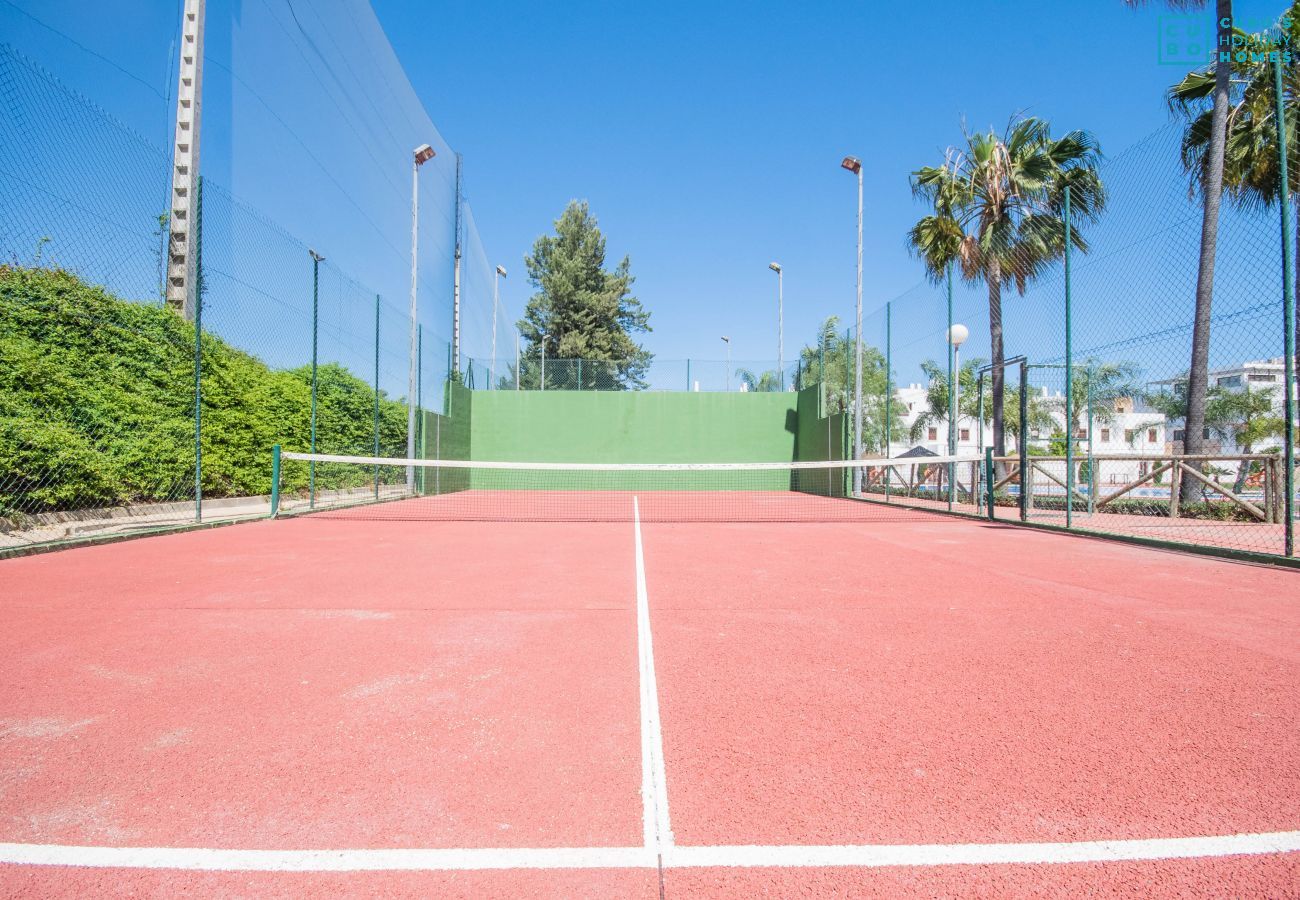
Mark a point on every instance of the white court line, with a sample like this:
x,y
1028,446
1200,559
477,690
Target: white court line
x,y
656,830
677,857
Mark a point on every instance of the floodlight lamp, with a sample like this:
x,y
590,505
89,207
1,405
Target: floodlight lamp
x,y
727,339
775,267
316,256
423,154
853,164
501,270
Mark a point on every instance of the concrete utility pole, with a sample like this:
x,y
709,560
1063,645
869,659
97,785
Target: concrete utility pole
x,y
185,163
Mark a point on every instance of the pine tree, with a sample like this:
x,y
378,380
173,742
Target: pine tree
x,y
581,311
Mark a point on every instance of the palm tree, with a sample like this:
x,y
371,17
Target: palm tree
x,y
830,363
1246,418
1210,184
1098,386
1251,171
765,381
936,396
997,215
968,402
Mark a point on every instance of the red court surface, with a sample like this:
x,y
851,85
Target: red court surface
x,y
912,705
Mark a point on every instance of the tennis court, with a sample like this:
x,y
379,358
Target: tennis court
x,y
670,690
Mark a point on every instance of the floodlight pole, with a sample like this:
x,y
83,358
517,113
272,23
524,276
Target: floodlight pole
x,y
420,156
496,293
726,340
780,322
854,165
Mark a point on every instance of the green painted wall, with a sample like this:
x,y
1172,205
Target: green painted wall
x,y
820,437
633,426
446,435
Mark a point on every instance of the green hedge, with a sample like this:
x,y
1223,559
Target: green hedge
x,y
97,403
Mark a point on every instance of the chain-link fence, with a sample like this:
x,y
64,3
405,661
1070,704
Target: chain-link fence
x,y
1074,304
1077,340
113,417
532,373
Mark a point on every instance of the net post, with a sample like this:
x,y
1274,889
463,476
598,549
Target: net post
x,y
275,481
688,375
1069,383
376,422
1288,318
988,481
197,287
1022,441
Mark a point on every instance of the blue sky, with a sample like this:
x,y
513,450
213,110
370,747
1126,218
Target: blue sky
x,y
707,137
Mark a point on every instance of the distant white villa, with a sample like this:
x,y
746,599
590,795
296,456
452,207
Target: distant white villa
x,y
1132,428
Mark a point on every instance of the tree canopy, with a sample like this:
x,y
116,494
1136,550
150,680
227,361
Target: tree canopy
x,y
581,310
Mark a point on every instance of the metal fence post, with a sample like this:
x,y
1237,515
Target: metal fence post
x,y
419,401
1069,383
1288,316
1022,442
889,393
315,322
952,397
376,425
197,287
979,426
275,481
989,471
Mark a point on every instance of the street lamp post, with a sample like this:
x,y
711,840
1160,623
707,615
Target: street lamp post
x,y
726,340
780,321
957,335
496,293
421,155
854,165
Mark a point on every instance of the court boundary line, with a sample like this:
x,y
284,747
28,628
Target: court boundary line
x,y
674,857
656,829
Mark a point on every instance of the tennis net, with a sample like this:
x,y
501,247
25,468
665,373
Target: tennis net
x,y
363,487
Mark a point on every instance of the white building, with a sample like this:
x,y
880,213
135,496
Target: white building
x,y
1255,375
1125,428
